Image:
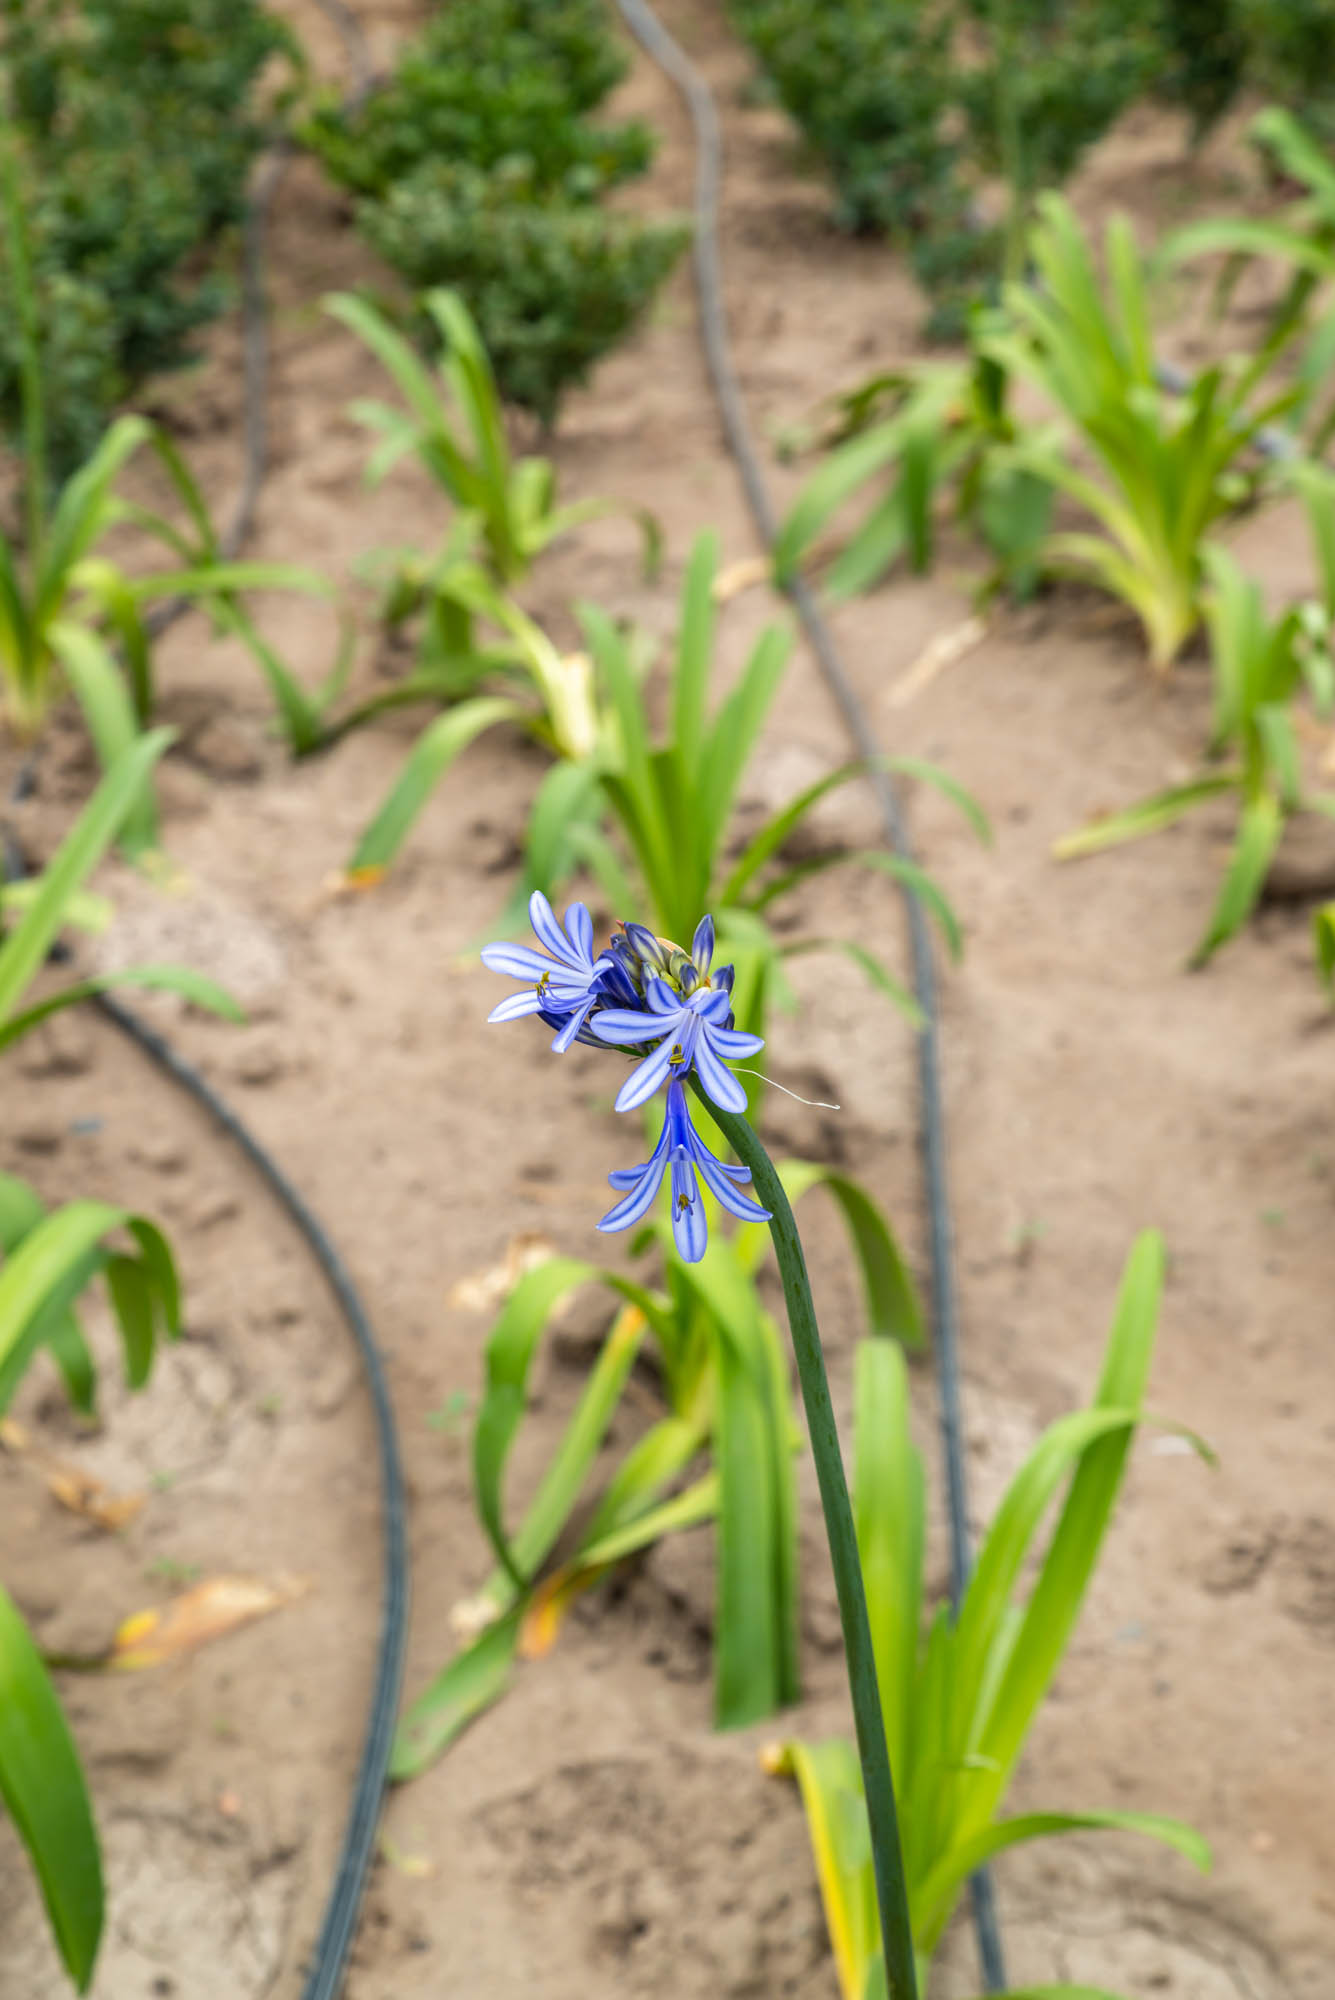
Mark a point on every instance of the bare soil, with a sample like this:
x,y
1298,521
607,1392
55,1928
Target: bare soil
x,y
591,1837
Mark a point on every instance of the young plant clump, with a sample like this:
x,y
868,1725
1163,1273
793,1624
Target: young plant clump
x,y
477,167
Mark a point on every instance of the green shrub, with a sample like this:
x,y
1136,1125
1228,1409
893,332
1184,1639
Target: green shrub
x,y
491,81
1217,48
136,126
908,105
479,170
552,285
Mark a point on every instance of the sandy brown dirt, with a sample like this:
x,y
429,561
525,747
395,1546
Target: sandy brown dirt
x,y
591,1837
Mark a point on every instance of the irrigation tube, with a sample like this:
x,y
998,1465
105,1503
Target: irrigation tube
x,y
325,1976
654,38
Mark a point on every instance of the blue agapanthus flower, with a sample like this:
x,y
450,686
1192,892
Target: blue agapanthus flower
x,y
667,1006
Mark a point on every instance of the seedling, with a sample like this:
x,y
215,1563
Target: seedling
x,y
959,1697
504,514
65,608
1169,464
48,1260
1259,664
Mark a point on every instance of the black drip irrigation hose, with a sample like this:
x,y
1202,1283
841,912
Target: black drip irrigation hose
x,y
325,1975
326,1968
654,38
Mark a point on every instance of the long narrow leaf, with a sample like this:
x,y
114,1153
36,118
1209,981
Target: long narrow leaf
x,y
429,759
24,950
42,1785
179,979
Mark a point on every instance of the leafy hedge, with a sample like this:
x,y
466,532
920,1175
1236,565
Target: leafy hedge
x,y
912,107
137,123
478,168
1217,48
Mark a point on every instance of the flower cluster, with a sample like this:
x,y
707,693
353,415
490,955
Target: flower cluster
x,y
666,1007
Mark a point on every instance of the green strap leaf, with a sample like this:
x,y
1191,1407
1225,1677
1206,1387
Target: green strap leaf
x,y
1259,832
429,759
894,1311
911,877
836,1813
180,979
889,1510
26,946
511,1346
1150,816
781,826
463,1689
941,1886
867,963
42,1785
101,692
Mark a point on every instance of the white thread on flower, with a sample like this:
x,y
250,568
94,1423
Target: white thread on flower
x,y
816,1103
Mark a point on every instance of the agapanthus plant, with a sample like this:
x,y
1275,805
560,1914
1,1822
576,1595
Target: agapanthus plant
x,y
673,1012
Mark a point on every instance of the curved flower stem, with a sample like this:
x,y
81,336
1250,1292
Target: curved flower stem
x,y
887,1856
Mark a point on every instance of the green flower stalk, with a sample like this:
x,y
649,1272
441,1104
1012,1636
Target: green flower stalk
x,y
868,1721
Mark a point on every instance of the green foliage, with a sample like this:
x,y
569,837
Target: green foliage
x,y
959,1698
1218,48
1259,664
43,1791
1207,50
553,284
909,106
54,898
1300,237
728,1430
504,513
137,123
478,170
1323,939
933,435
492,82
48,1259
672,802
868,84
70,618
1168,465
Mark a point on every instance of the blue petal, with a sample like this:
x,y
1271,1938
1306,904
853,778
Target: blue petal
x,y
642,1082
704,1161
517,1004
549,932
689,1228
663,998
719,1084
702,946
721,1181
571,1029
640,1200
517,961
565,990
579,928
714,1006
623,1027
731,1043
